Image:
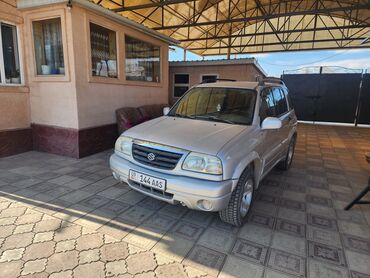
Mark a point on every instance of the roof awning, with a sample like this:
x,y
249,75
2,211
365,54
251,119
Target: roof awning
x,y
225,27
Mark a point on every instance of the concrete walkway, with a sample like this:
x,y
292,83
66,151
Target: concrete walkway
x,y
61,217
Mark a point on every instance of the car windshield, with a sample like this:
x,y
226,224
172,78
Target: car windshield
x,y
228,105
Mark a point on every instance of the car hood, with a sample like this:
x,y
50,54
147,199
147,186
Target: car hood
x,y
193,135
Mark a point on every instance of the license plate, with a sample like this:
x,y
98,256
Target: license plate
x,y
147,180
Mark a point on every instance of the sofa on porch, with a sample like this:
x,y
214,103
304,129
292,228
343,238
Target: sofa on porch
x,y
130,116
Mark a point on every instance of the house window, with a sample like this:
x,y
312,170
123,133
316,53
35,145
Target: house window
x,y
181,84
209,78
9,55
103,51
142,60
47,36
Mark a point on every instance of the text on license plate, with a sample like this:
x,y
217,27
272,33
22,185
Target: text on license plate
x,y
147,180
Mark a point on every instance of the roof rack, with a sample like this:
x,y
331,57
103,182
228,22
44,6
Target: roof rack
x,y
212,80
262,81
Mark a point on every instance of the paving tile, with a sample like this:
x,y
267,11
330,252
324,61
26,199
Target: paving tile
x,y
351,216
159,222
92,270
197,217
136,215
326,253
11,269
322,222
358,262
176,211
287,263
47,225
7,230
86,242
89,256
65,245
289,244
94,201
217,240
318,269
220,225
270,273
292,228
170,270
187,230
12,255
356,244
115,268
69,232
356,274
32,267
62,261
39,250
323,236
292,215
18,241
151,203
354,229
250,251
143,237
114,251
235,267
140,263
262,220
254,233
326,202
173,247
292,204
205,259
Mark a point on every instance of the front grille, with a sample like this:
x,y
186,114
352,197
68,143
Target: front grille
x,y
163,159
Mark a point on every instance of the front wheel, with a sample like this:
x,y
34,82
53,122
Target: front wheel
x,y
240,201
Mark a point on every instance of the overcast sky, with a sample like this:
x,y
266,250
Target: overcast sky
x,y
275,63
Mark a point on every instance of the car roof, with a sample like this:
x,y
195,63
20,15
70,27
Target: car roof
x,y
252,85
231,84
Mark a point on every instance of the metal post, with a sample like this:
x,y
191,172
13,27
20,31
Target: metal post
x,y
184,54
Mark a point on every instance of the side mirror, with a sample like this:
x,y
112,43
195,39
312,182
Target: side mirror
x,y
271,123
166,110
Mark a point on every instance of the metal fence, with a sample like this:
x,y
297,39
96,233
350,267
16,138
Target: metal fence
x,y
330,94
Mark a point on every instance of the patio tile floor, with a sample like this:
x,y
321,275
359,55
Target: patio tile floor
x,y
62,217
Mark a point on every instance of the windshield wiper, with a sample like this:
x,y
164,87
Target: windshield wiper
x,y
184,116
214,118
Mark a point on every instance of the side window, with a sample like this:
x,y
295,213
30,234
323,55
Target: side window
x,y
268,108
280,101
288,98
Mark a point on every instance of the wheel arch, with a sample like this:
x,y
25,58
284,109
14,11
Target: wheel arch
x,y
254,159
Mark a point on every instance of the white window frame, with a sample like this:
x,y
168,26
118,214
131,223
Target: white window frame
x,y
179,84
20,57
206,74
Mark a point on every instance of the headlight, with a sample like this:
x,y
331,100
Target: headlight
x,y
124,145
203,163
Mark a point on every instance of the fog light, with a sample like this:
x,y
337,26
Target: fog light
x,y
205,205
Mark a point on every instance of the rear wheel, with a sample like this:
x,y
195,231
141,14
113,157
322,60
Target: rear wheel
x,y
240,201
285,164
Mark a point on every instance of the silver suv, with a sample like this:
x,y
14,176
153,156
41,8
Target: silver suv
x,y
211,150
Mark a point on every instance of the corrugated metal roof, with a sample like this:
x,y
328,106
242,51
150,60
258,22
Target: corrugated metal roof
x,y
218,27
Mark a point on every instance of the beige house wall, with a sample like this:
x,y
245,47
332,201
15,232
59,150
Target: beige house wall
x,y
99,97
14,99
240,72
52,98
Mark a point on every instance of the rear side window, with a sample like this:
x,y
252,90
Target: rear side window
x,y
280,101
268,108
288,98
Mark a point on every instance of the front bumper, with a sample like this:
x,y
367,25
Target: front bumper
x,y
190,192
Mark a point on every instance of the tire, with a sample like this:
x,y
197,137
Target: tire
x,y
287,162
236,212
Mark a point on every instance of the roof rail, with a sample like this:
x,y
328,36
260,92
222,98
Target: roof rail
x,y
211,80
271,80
